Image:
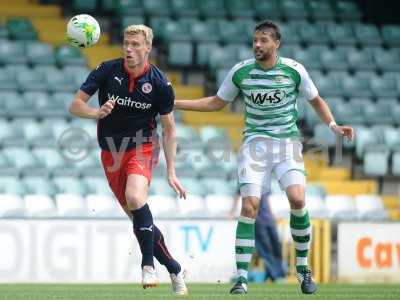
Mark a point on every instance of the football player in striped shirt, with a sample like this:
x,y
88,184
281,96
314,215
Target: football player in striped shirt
x,y
269,86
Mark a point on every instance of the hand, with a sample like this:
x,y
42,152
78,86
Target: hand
x,y
176,185
346,131
105,109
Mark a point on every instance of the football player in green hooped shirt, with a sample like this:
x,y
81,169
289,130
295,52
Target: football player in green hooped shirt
x,y
269,86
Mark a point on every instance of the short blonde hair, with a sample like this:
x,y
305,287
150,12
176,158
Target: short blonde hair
x,y
140,29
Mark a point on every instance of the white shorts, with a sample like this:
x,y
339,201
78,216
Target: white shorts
x,y
260,157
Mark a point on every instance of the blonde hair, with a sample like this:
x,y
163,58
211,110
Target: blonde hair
x,y
140,29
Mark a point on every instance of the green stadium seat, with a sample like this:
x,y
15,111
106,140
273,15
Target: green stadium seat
x,y
385,87
341,34
98,185
223,57
160,186
289,50
55,164
83,5
31,81
3,32
130,20
24,161
7,81
36,185
290,33
219,186
210,132
180,54
39,53
212,9
364,138
347,10
387,60
108,6
203,52
205,31
308,59
12,53
38,135
268,9
221,74
391,35
58,82
157,23
157,8
367,35
62,99
391,137
361,60
175,32
321,10
334,60
233,32
245,52
376,161
184,8
130,7
240,8
330,85
21,29
357,86
323,136
18,106
67,56
294,9
11,185
6,167
194,187
350,112
70,185
313,34
396,162
378,113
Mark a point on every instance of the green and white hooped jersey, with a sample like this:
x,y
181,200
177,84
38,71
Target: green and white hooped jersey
x,y
270,96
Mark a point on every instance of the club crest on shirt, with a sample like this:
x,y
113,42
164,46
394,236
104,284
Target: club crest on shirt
x,y
147,88
279,79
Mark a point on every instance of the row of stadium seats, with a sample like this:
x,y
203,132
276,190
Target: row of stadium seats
x,y
38,53
335,207
339,207
294,32
316,57
289,9
18,29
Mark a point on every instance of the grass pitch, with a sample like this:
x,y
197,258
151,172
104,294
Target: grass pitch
x,y
197,291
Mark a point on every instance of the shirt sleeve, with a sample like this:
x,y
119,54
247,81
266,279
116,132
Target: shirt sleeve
x,y
166,98
95,79
228,89
307,88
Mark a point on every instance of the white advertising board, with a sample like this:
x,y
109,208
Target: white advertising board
x,y
107,251
369,252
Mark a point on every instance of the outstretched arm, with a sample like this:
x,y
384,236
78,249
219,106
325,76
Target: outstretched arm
x,y
212,103
322,109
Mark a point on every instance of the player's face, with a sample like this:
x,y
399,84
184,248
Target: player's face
x,y
136,50
264,45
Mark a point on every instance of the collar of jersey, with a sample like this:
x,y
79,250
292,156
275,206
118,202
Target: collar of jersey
x,y
278,61
133,78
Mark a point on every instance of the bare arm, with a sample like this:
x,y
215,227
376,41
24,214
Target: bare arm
x,y
212,103
80,108
322,109
169,144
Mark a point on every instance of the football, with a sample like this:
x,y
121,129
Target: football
x,y
83,31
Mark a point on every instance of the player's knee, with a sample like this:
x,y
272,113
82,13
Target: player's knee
x,y
296,201
249,209
134,200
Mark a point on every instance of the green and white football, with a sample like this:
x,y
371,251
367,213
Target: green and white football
x,y
83,31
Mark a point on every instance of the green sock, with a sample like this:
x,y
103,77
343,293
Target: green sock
x,y
301,233
244,246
